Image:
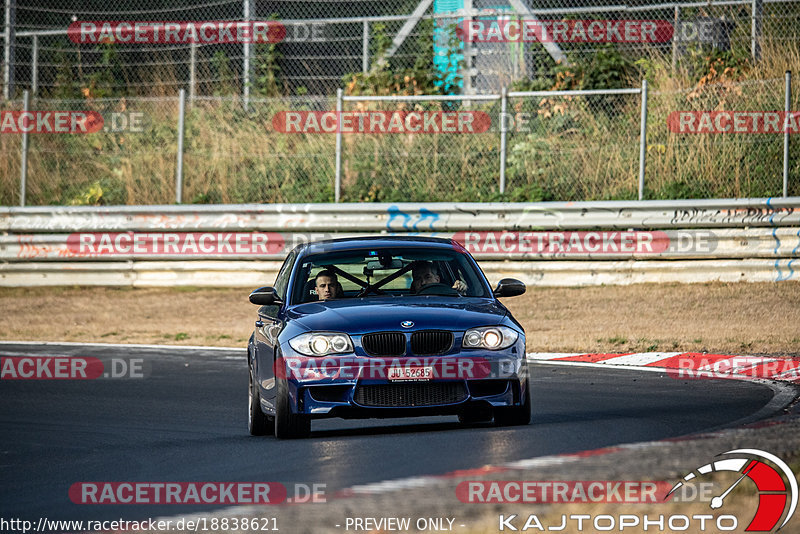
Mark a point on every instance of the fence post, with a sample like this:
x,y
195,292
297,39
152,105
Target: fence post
x,y
365,47
676,37
179,166
8,49
35,65
755,29
787,109
23,173
643,139
503,107
192,70
248,51
338,176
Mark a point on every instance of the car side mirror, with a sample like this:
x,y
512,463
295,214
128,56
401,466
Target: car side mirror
x,y
264,296
508,287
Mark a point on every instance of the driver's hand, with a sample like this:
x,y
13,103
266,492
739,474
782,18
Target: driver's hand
x,y
460,286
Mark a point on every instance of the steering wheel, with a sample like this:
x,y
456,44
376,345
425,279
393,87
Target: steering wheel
x,y
438,289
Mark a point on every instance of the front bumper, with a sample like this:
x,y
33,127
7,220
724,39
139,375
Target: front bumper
x,y
358,387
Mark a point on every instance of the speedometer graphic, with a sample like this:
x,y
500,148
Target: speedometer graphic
x,y
775,499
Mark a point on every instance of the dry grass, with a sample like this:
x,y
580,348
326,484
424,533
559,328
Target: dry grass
x,y
736,318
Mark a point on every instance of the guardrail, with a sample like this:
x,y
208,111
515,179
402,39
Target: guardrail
x,y
580,243
410,217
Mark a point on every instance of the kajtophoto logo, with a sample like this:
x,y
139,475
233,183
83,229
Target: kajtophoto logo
x,y
775,499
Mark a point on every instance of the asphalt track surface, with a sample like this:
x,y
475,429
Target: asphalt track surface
x,y
186,421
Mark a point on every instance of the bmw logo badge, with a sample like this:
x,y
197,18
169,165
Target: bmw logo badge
x,y
407,324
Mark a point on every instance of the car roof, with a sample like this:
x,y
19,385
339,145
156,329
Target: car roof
x,y
367,242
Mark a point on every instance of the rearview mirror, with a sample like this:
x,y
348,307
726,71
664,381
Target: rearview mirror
x,y
509,287
264,296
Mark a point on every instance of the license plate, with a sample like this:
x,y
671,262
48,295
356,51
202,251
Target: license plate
x,y
410,373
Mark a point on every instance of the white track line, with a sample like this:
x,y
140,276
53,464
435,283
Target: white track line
x,y
641,358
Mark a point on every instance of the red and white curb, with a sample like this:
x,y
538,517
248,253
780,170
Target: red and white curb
x,y
683,365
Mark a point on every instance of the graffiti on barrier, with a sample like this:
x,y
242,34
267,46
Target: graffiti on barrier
x,y
418,218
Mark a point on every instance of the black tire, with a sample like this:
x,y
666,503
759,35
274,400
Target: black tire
x,y
288,425
258,423
515,415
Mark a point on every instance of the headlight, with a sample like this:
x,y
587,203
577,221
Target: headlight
x,y
322,343
489,337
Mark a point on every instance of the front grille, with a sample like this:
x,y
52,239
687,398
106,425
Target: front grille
x,y
407,395
431,342
384,344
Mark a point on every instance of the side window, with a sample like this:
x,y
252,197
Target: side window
x,y
283,276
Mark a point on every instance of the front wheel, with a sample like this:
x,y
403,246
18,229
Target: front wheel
x,y
514,415
258,423
288,425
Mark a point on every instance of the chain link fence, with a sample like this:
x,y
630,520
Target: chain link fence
x,y
323,43
562,145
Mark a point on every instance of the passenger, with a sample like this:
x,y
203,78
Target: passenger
x,y
425,273
327,285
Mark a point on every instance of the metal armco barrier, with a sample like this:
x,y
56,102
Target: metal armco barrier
x,y
543,243
408,217
251,274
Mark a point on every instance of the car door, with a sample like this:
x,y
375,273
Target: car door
x,y
268,325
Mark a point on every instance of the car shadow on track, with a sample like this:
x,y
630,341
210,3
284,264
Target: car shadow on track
x,y
395,429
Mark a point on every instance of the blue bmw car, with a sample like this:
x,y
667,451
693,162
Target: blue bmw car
x,y
384,327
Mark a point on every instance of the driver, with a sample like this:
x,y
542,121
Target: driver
x,y
425,273
327,285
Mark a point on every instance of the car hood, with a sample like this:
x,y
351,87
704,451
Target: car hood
x,y
358,316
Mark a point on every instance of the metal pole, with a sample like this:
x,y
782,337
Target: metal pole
x,y
338,176
755,29
643,139
365,47
469,57
676,37
248,50
23,173
787,108
8,49
35,65
192,70
179,166
503,107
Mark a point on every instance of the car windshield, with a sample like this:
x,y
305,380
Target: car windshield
x,y
392,272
